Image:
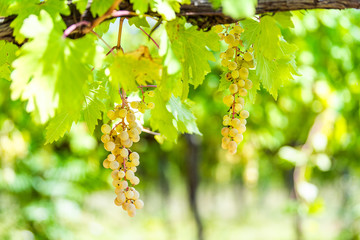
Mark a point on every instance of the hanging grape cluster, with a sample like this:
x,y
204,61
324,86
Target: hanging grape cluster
x,y
118,140
237,64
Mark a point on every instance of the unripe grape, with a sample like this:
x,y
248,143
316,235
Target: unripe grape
x,y
136,194
121,174
232,66
135,138
111,157
106,163
151,93
135,162
248,57
125,206
241,83
134,105
232,145
240,100
139,204
225,131
127,143
114,174
229,39
105,129
232,151
124,135
117,203
135,181
111,114
238,29
124,153
134,155
129,194
238,107
242,92
121,197
241,128
235,122
235,74
226,122
122,113
130,117
116,183
230,53
233,89
238,138
109,146
248,84
150,105
129,174
123,184
244,73
225,140
218,28
233,132
105,138
114,165
131,213
225,63
228,100
244,114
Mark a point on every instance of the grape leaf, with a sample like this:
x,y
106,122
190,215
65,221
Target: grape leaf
x,y
99,7
138,22
7,56
284,19
190,47
23,9
166,8
141,6
185,119
161,119
275,58
239,8
133,69
51,71
81,5
60,124
4,5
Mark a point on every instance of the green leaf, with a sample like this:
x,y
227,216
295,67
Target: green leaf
x,y
275,58
141,6
191,49
7,56
99,7
224,84
81,5
131,70
4,5
185,119
239,8
161,119
138,22
60,124
284,19
51,71
23,9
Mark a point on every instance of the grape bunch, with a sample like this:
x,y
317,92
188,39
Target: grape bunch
x,y
237,64
118,139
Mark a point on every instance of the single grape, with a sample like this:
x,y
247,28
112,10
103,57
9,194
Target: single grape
x,y
105,138
233,132
233,89
235,74
139,204
124,135
121,174
105,129
111,114
109,146
241,83
114,165
232,66
228,100
225,131
238,138
151,93
242,92
135,181
129,174
111,157
106,163
244,114
248,84
150,105
134,105
248,57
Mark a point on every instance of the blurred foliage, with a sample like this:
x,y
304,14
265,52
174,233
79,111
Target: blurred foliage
x,y
56,191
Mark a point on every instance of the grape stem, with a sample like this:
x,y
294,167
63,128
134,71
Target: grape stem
x,y
157,45
111,49
74,26
149,132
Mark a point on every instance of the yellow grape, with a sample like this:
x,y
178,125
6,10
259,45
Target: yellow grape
x,y
230,53
235,122
134,105
105,138
151,105
238,29
238,107
111,157
235,74
122,113
114,165
111,114
106,163
232,66
233,132
229,39
218,28
105,129
248,84
225,62
242,92
233,89
244,73
248,57
241,128
243,121
109,146
225,131
139,204
241,83
238,138
124,153
228,100
151,93
244,114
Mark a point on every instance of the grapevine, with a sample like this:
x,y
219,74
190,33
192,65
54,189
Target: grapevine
x,y
237,64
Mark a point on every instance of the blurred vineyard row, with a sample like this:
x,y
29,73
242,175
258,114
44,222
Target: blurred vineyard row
x,y
296,175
